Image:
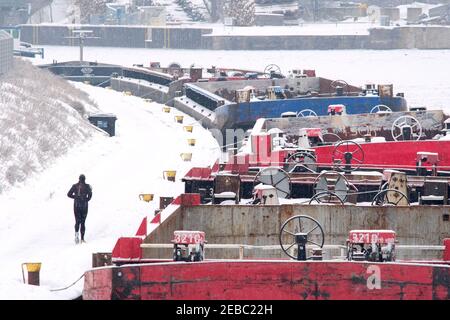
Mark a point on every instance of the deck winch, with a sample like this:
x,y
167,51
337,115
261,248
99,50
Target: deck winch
x,y
371,245
430,158
188,246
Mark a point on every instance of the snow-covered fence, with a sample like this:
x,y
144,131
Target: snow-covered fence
x,y
6,52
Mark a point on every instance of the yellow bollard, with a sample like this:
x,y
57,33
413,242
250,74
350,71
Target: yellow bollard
x,y
188,128
170,175
166,109
147,197
179,119
127,93
187,156
191,142
33,269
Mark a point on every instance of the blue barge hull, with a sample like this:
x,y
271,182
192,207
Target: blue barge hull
x,y
244,115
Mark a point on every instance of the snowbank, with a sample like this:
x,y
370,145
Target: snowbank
x,y
41,117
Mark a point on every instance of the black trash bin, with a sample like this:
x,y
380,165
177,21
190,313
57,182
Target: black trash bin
x,y
106,122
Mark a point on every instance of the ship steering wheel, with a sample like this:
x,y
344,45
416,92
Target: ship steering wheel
x,y
339,83
297,232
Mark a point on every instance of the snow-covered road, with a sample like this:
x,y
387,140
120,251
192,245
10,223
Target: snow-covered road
x,y
38,226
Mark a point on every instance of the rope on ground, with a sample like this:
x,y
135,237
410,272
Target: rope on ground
x,y
65,288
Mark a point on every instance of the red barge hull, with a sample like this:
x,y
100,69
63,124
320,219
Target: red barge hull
x,y
269,280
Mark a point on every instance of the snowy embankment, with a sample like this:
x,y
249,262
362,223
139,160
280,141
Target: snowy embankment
x,y
41,117
38,218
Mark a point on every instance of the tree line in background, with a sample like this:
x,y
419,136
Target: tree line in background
x,y
241,11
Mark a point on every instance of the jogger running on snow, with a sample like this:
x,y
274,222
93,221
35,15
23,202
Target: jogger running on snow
x,y
82,193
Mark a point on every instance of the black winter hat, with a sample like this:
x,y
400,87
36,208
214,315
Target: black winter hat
x,y
82,178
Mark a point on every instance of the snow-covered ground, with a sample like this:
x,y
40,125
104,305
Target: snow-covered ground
x,y
37,218
421,74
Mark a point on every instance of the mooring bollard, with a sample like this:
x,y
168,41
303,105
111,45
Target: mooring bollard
x,y
191,142
187,156
33,269
127,93
179,119
188,128
147,197
166,109
170,175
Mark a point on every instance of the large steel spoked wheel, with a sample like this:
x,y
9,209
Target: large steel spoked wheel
x,y
272,68
381,108
306,113
389,197
300,224
326,197
406,121
276,177
339,83
348,156
302,159
334,182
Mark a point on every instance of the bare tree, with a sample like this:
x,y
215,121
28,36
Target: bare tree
x,y
242,11
90,7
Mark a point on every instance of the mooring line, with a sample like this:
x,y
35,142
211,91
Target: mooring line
x,y
65,288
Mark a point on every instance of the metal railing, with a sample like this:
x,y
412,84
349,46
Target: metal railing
x,y
243,247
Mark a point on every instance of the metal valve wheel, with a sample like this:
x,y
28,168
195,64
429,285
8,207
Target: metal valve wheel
x,y
339,83
272,68
306,113
390,197
348,156
297,232
406,122
326,197
334,182
301,160
276,177
381,108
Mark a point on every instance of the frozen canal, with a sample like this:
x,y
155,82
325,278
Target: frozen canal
x,y
423,75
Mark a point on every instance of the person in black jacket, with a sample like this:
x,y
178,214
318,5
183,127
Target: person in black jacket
x,y
81,192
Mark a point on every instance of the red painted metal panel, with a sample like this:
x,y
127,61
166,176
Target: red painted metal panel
x,y
128,248
188,199
126,285
199,173
371,236
188,237
98,284
402,153
142,231
446,256
241,280
156,218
